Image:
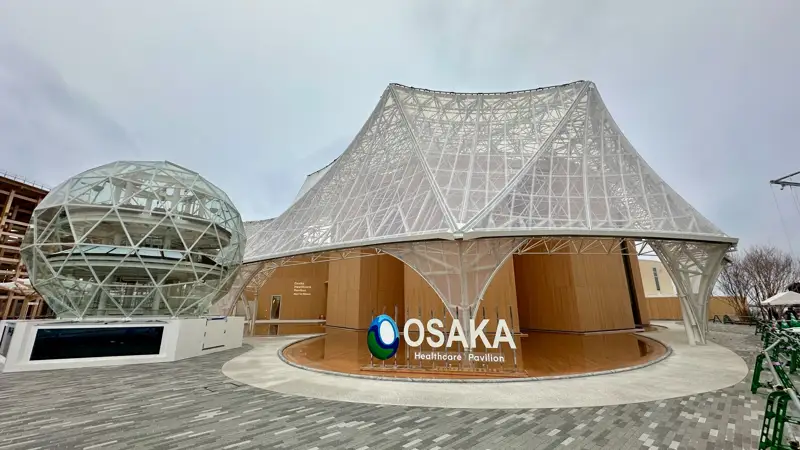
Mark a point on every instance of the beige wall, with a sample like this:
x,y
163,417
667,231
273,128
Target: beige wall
x,y
646,267
663,304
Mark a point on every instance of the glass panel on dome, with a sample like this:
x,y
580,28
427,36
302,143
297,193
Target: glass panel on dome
x,y
149,252
128,245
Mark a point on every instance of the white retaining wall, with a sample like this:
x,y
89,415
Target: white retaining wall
x,y
182,338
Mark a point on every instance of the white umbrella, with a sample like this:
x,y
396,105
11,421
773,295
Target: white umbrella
x,y
787,298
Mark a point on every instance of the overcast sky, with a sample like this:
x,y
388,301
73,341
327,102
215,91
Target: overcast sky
x,y
256,94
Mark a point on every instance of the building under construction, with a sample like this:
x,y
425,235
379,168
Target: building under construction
x,y
18,198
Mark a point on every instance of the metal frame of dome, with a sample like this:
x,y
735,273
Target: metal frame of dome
x,y
436,175
134,238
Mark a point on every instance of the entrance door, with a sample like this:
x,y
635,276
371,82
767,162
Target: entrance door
x,y
274,313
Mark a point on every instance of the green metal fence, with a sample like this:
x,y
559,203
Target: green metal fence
x,y
780,358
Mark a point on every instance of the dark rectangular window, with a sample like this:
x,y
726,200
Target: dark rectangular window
x,y
67,343
655,278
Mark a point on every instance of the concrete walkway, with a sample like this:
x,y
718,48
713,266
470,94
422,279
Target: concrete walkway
x,y
688,371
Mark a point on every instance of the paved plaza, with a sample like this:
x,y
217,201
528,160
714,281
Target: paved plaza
x,y
687,371
191,404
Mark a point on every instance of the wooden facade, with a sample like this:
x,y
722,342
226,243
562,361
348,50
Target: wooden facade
x,y
17,200
561,292
669,308
292,293
575,293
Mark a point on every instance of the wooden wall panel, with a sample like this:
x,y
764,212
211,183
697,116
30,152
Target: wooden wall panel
x,y
389,292
719,306
576,293
361,288
546,293
602,293
303,294
344,282
365,307
351,311
381,289
669,308
664,308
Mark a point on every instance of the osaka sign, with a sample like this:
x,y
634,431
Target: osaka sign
x,y
383,337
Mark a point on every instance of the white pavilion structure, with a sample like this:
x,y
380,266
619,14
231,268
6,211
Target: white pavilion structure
x,y
455,183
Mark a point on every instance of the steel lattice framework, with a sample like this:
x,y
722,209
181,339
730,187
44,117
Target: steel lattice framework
x,y
134,239
453,183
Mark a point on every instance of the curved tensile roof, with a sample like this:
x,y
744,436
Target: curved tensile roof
x,y
312,179
443,165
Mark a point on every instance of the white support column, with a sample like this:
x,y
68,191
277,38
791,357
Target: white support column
x,y
258,280
694,268
458,271
226,304
249,279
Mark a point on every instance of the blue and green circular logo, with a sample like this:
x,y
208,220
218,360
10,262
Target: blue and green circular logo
x,y
383,337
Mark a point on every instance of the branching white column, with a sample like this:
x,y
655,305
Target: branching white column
x,y
459,271
251,289
694,268
226,304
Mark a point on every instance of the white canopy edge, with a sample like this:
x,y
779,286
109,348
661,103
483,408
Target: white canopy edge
x,y
566,233
788,298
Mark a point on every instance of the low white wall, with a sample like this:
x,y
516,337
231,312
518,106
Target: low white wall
x,y
181,339
208,335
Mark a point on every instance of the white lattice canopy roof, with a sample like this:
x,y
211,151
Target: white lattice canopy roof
x,y
442,165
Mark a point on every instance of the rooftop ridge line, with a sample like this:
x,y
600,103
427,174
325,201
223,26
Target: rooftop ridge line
x,y
518,91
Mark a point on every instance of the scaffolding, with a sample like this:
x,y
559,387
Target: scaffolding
x,y
18,199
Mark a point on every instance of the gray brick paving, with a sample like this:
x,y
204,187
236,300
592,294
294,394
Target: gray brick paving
x,y
191,405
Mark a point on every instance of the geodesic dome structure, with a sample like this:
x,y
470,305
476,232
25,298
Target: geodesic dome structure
x,y
134,238
453,183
